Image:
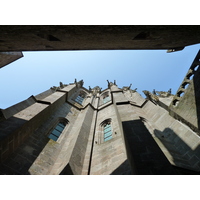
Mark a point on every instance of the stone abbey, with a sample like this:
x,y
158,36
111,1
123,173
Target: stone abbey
x,y
71,130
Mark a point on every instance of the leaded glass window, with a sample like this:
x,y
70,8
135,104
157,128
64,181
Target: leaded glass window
x,y
79,99
57,131
107,131
106,99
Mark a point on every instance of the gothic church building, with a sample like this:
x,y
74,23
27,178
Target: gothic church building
x,y
71,130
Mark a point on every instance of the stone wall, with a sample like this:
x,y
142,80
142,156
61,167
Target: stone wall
x,y
56,154
185,105
145,138
80,158
8,57
16,129
177,141
109,157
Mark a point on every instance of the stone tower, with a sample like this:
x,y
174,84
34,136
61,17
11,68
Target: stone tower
x,y
73,130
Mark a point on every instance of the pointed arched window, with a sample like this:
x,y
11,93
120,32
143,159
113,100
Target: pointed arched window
x,y
107,131
106,98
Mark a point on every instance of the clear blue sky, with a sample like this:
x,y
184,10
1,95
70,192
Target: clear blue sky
x,y
145,69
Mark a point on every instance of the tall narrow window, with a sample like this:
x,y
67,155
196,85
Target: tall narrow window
x,y
107,131
57,131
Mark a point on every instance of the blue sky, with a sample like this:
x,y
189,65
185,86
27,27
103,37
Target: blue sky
x,y
145,69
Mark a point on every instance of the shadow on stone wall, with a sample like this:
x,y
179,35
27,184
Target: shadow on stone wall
x,y
11,136
123,169
7,127
185,106
144,154
196,82
31,139
183,156
21,160
67,170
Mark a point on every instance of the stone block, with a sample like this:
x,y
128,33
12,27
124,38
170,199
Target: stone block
x,y
193,160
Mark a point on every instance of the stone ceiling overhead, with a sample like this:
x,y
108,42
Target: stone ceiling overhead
x,y
64,37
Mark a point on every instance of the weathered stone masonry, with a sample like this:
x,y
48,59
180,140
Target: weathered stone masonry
x,y
114,131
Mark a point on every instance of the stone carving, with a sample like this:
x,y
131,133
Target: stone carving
x,y
111,83
61,85
170,91
154,92
90,89
55,88
132,91
95,90
162,93
154,96
78,84
150,96
126,88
